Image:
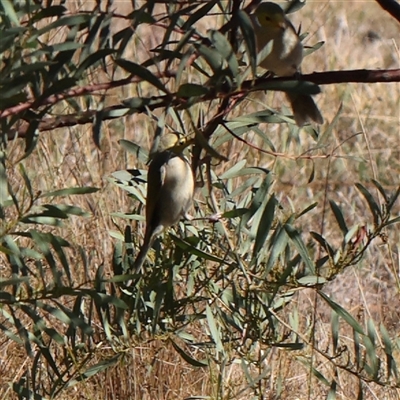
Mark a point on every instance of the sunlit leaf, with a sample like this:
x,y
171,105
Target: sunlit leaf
x,y
214,331
70,191
94,370
343,313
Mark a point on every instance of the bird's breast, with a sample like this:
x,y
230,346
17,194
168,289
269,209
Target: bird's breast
x,y
176,191
286,53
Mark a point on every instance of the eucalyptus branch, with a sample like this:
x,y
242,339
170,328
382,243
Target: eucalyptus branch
x,y
392,7
156,102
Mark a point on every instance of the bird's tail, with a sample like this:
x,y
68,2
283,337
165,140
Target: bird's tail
x,y
304,108
148,240
137,266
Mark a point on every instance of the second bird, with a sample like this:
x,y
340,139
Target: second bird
x,y
272,25
170,186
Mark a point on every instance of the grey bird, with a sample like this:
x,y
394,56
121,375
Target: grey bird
x,y
170,187
272,27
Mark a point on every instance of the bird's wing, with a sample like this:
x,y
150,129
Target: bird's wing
x,y
155,181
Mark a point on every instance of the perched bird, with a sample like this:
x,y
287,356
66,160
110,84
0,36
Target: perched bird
x,y
170,186
285,56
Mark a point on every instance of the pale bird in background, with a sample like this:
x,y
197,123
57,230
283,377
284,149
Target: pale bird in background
x,y
272,25
170,187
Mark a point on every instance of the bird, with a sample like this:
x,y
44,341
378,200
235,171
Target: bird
x,y
271,24
170,188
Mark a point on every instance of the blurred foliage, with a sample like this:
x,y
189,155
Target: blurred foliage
x,y
231,278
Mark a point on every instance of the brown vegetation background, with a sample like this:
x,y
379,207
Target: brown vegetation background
x,y
364,144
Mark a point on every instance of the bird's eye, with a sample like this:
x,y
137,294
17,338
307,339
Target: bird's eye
x,y
267,18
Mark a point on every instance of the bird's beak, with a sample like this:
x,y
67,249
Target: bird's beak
x,y
182,145
282,25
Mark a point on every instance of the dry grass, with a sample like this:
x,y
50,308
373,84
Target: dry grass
x,y
152,369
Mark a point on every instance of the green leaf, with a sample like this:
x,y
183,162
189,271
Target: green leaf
x,y
41,220
97,132
31,139
339,217
342,313
187,90
373,359
249,38
237,212
22,391
300,246
71,191
142,72
200,13
9,11
310,49
193,250
290,346
312,174
201,141
212,57
65,315
311,280
234,171
387,347
332,391
135,104
223,46
13,281
387,343
294,5
67,20
48,12
335,330
393,198
323,243
258,198
59,86
175,54
189,359
264,225
373,206
69,210
359,363
94,370
92,60
278,245
41,241
26,180
351,233
103,298
134,149
306,210
381,190
372,334
214,331
3,181
313,370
